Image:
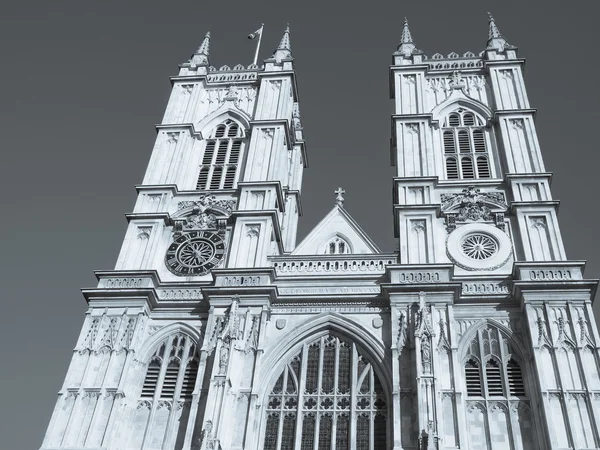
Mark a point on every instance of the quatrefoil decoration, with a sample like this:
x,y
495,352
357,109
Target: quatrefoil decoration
x,y
310,403
363,403
291,403
327,403
274,403
344,403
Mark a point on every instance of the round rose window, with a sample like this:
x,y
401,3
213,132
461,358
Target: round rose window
x,y
479,246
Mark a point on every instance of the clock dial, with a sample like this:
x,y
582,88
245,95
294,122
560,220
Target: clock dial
x,y
195,253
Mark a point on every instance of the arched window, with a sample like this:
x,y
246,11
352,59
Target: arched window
x,y
222,155
496,391
310,405
166,395
465,152
337,246
174,360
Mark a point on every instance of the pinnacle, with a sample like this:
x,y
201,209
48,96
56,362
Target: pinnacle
x,y
495,39
406,36
284,50
493,31
204,48
201,55
407,46
285,40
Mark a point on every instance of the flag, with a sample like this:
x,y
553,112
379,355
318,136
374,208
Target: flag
x,y
256,34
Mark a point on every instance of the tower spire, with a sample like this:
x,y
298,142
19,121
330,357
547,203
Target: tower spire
x,y
201,55
495,39
407,46
284,50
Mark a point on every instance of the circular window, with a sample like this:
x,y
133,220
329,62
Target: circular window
x,y
478,246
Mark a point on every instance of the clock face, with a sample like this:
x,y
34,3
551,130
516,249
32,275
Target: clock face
x,y
195,253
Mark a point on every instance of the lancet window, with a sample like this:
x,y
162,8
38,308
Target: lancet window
x,y
496,393
327,396
221,158
337,246
166,395
466,151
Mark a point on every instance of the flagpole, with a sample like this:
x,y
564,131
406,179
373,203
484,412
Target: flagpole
x,y
258,44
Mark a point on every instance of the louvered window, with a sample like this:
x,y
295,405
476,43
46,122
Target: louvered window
x,y
493,375
465,152
496,391
473,379
165,371
221,158
515,379
311,401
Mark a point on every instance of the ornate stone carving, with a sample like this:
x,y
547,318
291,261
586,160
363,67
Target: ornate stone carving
x,y
223,356
377,322
443,343
402,331
208,202
280,324
472,205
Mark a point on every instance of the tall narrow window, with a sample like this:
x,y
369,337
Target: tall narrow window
x,y
321,391
167,390
496,391
337,246
465,151
221,159
175,359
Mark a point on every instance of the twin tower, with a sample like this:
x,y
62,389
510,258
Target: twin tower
x,y
217,331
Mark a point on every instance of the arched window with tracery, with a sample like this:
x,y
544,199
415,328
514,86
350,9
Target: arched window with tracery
x,y
466,151
327,396
166,395
497,400
222,157
337,246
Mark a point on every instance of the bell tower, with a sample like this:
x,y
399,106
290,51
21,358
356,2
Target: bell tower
x,y
220,195
503,332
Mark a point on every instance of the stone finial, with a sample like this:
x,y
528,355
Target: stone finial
x,y
407,46
495,39
201,55
339,198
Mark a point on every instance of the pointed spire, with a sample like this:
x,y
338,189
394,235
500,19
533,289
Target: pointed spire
x,y
407,46
284,44
201,55
495,39
284,51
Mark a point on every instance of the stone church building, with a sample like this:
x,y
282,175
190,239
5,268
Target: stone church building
x,y
216,330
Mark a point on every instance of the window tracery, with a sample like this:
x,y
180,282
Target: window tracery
x,y
222,155
175,360
326,392
465,149
496,390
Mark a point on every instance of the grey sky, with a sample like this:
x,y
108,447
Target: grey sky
x,y
84,82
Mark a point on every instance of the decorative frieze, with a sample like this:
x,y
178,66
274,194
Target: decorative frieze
x,y
482,288
329,290
179,294
328,266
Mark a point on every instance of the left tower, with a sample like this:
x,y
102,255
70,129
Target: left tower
x,y
221,194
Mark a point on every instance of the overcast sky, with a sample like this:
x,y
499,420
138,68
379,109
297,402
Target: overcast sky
x,y
83,84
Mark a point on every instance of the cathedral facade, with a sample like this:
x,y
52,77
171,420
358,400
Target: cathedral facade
x,y
216,330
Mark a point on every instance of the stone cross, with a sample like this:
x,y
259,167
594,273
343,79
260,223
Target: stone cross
x,y
339,199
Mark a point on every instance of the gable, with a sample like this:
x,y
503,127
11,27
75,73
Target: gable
x,y
340,230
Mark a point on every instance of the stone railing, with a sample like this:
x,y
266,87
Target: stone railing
x,y
328,265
